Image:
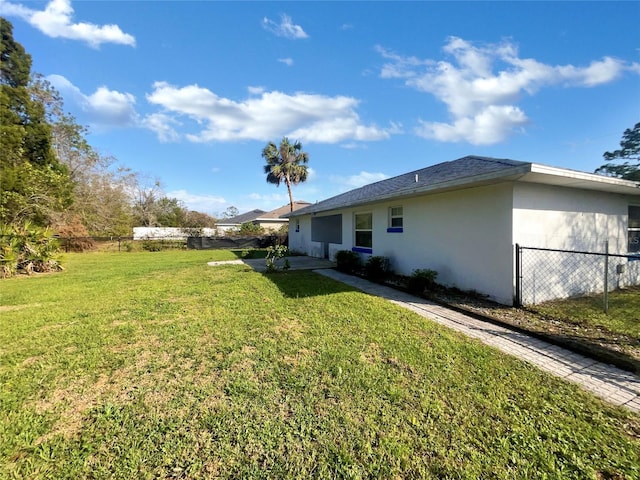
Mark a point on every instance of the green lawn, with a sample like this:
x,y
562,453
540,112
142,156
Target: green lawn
x,y
154,365
623,315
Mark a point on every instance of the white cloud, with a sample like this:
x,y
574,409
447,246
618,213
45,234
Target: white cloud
x,y
287,61
307,117
482,85
103,108
359,180
255,90
492,125
162,125
272,197
286,28
56,20
200,203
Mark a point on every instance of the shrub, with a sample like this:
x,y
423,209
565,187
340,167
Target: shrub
x,y
250,228
377,269
348,261
421,280
275,253
74,236
151,245
159,245
26,249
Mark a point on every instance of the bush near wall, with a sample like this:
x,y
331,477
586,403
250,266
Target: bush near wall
x,y
377,269
348,261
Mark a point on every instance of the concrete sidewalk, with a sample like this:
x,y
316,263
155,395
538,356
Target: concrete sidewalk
x,y
295,263
610,383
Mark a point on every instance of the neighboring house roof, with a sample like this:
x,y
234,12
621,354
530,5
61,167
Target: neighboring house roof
x,y
464,173
243,218
278,212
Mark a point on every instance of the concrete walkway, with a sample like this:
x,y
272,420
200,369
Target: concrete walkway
x,y
612,384
300,262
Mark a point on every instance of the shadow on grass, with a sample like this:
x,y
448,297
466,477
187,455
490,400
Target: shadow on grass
x,y
305,283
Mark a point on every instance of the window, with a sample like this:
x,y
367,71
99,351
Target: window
x,y
395,219
364,232
634,229
297,224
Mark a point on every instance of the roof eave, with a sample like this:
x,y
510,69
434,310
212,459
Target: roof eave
x,y
512,173
582,180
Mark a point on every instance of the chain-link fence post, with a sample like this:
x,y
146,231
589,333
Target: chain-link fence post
x,y
606,276
518,296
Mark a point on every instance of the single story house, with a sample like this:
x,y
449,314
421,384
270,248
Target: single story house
x,y
463,218
233,223
270,221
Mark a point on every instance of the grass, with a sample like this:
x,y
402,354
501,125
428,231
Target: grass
x,y
623,314
154,365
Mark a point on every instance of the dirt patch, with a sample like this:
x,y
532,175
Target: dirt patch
x,y
371,354
290,327
31,360
13,308
301,358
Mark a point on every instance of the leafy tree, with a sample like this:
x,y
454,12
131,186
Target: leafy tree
x,y
199,220
231,212
170,212
144,198
286,163
629,152
101,202
34,185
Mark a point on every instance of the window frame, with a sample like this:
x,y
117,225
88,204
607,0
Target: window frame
x,y
356,230
391,228
633,230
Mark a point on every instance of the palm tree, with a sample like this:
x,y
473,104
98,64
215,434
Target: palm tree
x,y
287,164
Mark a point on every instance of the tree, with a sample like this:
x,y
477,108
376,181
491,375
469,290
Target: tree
x,y
197,219
630,152
230,212
101,203
287,163
145,195
34,185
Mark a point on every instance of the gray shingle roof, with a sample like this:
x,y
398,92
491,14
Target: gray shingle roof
x,y
467,167
279,212
244,217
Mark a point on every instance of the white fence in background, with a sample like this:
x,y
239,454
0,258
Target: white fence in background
x,y
170,233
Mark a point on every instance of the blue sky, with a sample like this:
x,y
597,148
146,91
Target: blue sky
x,y
190,92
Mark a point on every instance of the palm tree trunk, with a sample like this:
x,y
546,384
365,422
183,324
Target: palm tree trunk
x,y
290,194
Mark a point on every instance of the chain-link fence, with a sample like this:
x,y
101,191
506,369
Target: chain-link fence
x,y
128,244
125,244
544,274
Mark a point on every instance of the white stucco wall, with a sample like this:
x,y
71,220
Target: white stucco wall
x,y
465,236
468,237
569,219
545,216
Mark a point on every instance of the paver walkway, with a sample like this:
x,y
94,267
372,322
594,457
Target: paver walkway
x,y
612,384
